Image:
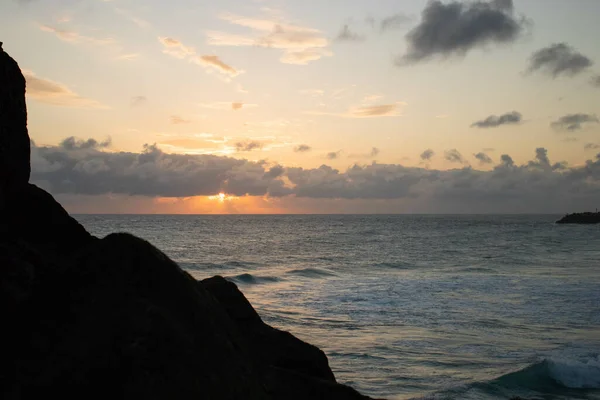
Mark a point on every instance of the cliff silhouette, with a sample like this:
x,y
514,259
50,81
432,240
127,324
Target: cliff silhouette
x,y
114,317
584,218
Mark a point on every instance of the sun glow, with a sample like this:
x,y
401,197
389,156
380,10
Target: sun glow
x,y
221,197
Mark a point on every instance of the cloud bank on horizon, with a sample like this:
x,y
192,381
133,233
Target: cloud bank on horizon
x,y
81,167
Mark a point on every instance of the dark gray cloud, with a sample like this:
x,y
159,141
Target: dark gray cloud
x,y
558,59
303,148
570,140
150,173
494,121
454,28
595,81
454,156
506,161
72,143
536,186
542,161
249,145
488,149
347,35
427,155
574,122
333,155
374,152
591,146
393,22
483,158
138,101
274,172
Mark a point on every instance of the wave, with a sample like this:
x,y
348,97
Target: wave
x,y
571,374
395,265
474,270
249,279
558,378
199,266
315,273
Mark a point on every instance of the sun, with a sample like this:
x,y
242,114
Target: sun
x,y
221,197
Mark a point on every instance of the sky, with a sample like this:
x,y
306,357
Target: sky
x,y
281,106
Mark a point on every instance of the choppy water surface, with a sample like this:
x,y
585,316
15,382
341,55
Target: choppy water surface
x,y
456,307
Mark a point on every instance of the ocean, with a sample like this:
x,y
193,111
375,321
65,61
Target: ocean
x,y
419,306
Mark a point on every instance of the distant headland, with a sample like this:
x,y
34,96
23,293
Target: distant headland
x,y
581,218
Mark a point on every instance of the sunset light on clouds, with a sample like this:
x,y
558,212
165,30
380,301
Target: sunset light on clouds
x,y
344,106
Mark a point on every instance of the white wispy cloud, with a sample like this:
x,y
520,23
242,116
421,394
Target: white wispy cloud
x,y
210,62
55,93
77,38
300,45
370,111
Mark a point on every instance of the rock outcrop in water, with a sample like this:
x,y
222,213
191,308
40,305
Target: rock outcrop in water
x,y
89,318
580,218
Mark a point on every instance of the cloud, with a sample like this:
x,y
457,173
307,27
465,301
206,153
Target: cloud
x,y
427,155
216,63
77,38
375,111
393,22
591,146
54,93
558,59
347,35
72,143
141,23
507,187
454,156
175,48
595,81
300,45
455,28
483,158
370,155
303,57
303,148
385,110
128,57
150,173
177,120
494,121
333,155
137,101
224,105
574,122
249,145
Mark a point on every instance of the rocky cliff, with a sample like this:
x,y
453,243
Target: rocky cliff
x,y
585,218
89,318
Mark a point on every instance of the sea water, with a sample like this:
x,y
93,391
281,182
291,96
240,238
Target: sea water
x,y
442,307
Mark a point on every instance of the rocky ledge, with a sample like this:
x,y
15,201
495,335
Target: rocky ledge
x,y
580,218
90,318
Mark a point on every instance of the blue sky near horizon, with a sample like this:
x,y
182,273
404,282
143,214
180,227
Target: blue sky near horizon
x,y
257,80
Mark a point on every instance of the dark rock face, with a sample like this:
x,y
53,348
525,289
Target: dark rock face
x,y
14,139
580,218
268,345
88,318
32,215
